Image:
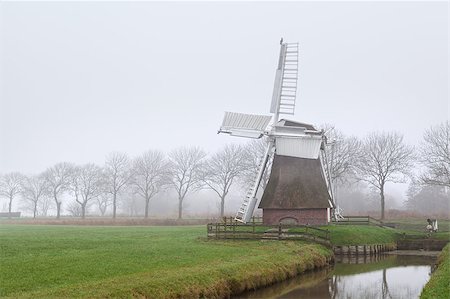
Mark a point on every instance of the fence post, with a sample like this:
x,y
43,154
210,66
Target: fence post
x,y
253,226
225,228
234,230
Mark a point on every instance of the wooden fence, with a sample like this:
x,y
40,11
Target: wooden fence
x,y
258,230
10,215
355,220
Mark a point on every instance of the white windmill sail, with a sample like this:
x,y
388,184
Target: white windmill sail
x,y
245,212
244,125
286,77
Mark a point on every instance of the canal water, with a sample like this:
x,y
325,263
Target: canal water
x,y
382,276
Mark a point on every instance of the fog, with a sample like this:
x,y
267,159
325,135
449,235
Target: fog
x,y
79,80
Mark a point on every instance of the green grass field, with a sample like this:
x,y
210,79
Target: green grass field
x,y
154,262
42,261
361,234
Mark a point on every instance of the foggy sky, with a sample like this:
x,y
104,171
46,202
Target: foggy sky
x,y
79,80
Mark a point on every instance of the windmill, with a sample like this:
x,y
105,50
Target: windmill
x,y
299,178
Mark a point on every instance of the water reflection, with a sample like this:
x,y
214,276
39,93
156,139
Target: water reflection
x,y
362,277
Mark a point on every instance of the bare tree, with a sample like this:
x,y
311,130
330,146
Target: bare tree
x,y
34,188
87,182
129,201
10,187
383,158
435,155
341,152
58,179
222,169
186,165
427,199
103,202
74,209
149,174
45,204
117,175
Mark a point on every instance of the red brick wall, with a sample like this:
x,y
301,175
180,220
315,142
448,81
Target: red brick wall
x,y
303,216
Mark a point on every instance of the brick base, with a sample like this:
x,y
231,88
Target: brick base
x,y
298,216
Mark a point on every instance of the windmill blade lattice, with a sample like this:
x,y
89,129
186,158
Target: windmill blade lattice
x,y
286,79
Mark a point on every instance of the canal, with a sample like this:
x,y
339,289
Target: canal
x,y
382,276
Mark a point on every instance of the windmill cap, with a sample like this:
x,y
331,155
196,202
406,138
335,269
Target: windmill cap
x,y
291,123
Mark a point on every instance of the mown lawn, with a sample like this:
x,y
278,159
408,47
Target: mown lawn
x,y
154,262
361,234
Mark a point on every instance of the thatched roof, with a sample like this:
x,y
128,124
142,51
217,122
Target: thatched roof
x,y
295,183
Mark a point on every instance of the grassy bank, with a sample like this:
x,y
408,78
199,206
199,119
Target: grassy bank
x,y
361,235
154,262
439,284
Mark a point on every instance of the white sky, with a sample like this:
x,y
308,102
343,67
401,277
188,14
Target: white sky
x,y
79,80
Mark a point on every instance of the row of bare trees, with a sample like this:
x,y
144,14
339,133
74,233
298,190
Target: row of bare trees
x,y
380,158
377,159
184,170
